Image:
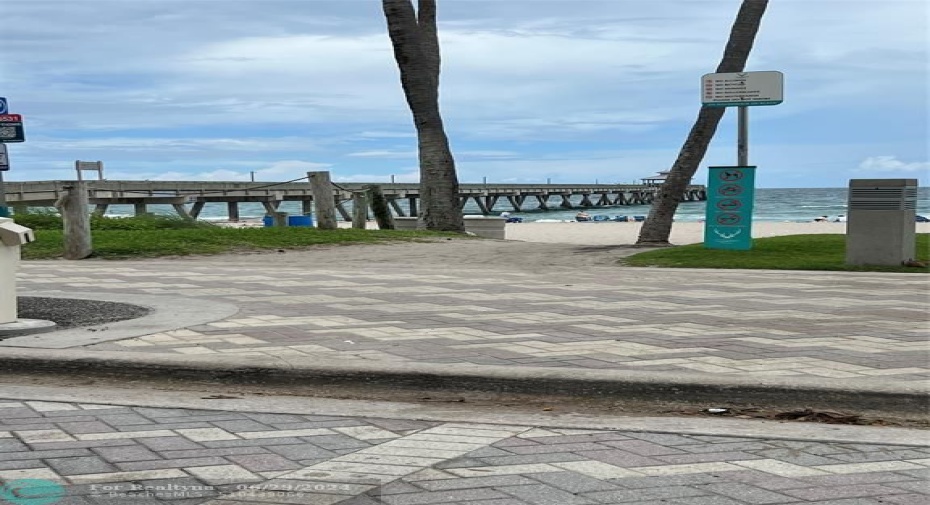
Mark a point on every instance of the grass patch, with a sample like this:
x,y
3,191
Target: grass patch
x,y
792,252
151,243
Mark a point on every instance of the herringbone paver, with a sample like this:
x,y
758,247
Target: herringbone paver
x,y
856,327
421,462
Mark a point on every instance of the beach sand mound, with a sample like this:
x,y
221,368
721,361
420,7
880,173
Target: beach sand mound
x,y
530,247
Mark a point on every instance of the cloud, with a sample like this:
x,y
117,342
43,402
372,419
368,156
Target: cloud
x,y
536,88
111,144
384,154
292,167
410,175
374,135
278,171
214,175
412,154
892,164
485,154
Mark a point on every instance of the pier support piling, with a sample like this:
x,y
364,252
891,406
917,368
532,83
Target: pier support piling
x,y
396,206
379,207
359,210
482,206
196,209
76,222
182,211
323,200
270,207
543,201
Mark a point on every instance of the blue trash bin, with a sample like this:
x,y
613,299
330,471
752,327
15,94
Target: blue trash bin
x,y
303,221
268,221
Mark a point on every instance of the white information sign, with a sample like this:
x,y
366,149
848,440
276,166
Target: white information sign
x,y
4,158
742,89
88,165
81,166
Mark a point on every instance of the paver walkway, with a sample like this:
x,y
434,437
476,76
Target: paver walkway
x,y
858,327
111,454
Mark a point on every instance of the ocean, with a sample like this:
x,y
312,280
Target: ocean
x,y
771,204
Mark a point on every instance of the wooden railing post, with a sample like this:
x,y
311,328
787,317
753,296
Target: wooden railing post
x,y
359,210
379,207
323,202
76,221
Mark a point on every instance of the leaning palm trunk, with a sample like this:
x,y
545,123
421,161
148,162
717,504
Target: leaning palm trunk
x,y
658,225
416,49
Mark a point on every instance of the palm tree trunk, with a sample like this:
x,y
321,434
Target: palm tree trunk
x,y
416,50
658,225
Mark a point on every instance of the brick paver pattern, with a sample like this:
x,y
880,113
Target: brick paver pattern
x,y
806,325
111,454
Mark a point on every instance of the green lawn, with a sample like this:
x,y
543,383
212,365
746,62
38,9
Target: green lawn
x,y
793,252
149,243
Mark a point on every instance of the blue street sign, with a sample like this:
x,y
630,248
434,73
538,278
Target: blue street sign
x,y
4,105
728,219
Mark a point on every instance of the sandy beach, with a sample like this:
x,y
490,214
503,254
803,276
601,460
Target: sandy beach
x,y
536,248
615,233
612,233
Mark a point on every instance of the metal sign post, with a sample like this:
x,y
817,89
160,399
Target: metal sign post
x,y
4,166
730,190
742,136
11,130
4,210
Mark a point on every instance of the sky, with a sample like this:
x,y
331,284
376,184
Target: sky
x,y
569,91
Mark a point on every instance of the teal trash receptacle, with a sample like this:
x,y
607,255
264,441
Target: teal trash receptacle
x,y
304,221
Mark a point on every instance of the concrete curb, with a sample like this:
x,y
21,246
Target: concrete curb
x,y
168,313
653,387
471,413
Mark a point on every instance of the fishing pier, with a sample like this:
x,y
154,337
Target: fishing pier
x,y
189,197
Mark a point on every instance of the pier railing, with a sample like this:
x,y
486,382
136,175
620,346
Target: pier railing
x,y
189,197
